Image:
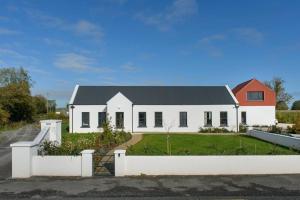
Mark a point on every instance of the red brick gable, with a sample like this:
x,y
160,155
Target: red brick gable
x,y
253,85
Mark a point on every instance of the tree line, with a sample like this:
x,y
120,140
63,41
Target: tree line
x,y
16,102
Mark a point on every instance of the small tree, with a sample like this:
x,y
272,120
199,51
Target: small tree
x,y
40,103
296,105
282,106
168,127
277,85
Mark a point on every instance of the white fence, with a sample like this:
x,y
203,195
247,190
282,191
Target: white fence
x,y
204,165
26,162
283,140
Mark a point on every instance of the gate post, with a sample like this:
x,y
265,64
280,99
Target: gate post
x,y
120,162
87,163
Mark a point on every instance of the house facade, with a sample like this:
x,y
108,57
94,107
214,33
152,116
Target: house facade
x,y
257,103
156,108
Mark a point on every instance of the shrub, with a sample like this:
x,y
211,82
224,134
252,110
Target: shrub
x,y
296,105
214,130
295,129
242,128
287,116
275,129
4,117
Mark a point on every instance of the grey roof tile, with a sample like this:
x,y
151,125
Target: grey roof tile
x,y
155,95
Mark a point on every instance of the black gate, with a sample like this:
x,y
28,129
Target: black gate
x,y
104,163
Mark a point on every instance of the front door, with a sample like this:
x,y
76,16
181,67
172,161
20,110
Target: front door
x,y
120,120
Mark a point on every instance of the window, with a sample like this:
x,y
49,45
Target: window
x,y
142,119
158,119
223,119
101,118
119,120
85,119
255,96
244,118
207,118
183,119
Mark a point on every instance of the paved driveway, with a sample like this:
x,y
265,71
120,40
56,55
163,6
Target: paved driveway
x,y
27,133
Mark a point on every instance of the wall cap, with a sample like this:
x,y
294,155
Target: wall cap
x,y
51,121
22,144
121,151
88,151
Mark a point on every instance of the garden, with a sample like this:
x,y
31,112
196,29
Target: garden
x,y
195,144
73,144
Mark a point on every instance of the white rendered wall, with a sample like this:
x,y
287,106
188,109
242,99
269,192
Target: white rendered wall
x,y
259,115
120,103
205,165
195,117
56,165
284,140
77,120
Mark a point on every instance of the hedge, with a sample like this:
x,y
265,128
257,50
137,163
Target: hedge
x,y
287,116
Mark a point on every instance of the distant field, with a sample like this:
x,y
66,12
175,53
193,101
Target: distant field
x,y
287,116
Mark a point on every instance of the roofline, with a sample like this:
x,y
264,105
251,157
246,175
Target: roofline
x,y
232,95
74,94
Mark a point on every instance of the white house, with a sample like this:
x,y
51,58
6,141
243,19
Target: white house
x,y
154,108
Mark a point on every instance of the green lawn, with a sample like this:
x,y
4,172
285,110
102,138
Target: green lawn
x,y
186,144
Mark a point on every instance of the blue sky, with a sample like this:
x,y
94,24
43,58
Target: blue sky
x,y
136,42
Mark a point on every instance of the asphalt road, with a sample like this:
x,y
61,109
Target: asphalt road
x,y
27,133
164,187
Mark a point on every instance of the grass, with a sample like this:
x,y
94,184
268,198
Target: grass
x,y
287,116
183,144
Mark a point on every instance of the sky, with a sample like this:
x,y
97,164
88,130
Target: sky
x,y
150,42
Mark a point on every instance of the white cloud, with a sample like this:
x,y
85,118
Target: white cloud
x,y
5,31
84,27
81,27
212,38
78,62
251,35
129,67
174,14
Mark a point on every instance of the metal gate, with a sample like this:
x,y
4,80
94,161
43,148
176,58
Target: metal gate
x,y
104,163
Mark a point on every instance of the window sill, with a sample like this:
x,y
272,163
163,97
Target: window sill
x,y
224,126
158,126
142,126
208,126
183,126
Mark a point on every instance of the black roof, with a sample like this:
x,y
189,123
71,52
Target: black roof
x,y
155,95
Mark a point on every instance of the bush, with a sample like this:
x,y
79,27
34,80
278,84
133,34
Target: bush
x,y
242,128
214,130
296,105
296,128
275,129
4,117
287,116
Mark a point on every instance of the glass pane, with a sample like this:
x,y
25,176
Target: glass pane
x,y
158,119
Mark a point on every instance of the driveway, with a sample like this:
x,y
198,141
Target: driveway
x,y
164,187
27,133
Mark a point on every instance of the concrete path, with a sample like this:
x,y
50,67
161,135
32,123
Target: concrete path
x,y
26,133
164,187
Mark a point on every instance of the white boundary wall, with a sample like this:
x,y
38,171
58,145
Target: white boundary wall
x,y
284,140
26,162
204,165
